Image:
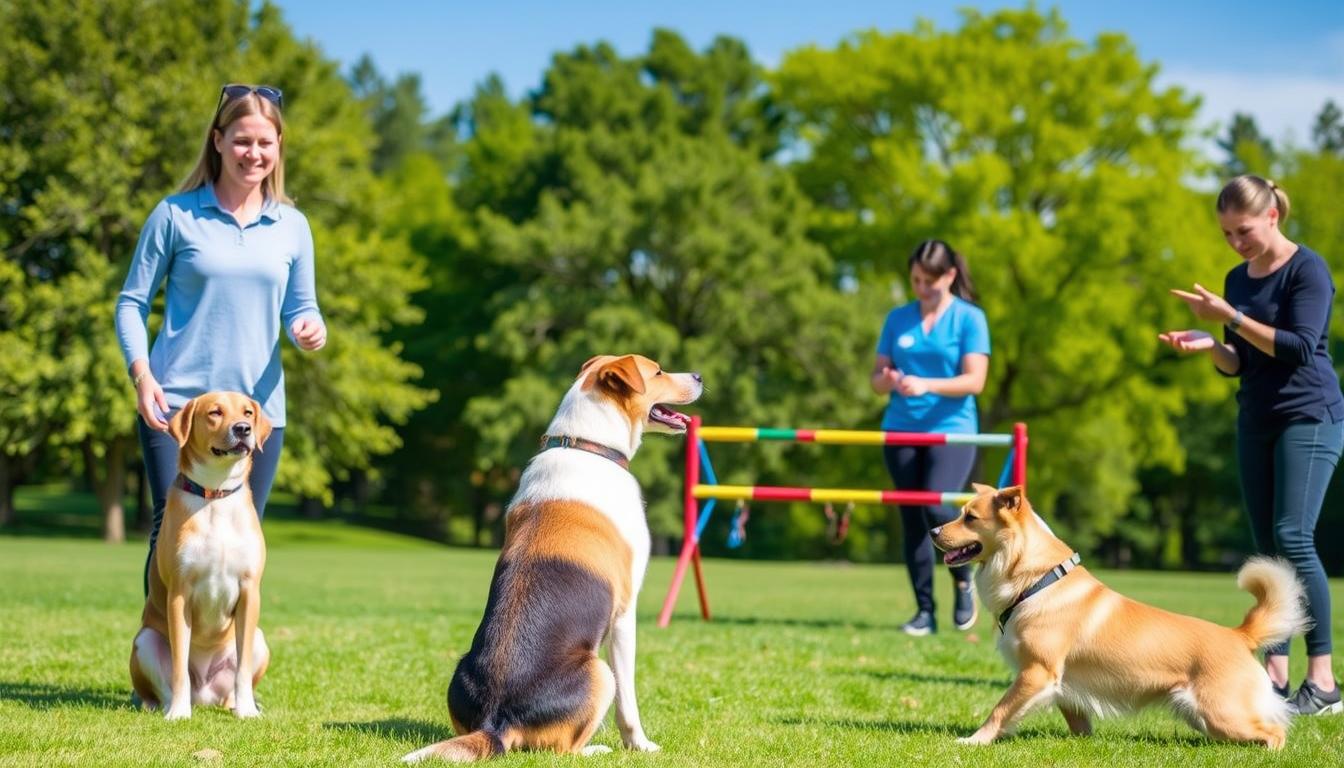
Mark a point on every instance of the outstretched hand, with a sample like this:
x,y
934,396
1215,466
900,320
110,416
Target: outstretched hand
x,y
1188,341
1205,304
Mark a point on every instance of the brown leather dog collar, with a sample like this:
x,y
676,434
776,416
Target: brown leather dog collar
x,y
565,441
186,484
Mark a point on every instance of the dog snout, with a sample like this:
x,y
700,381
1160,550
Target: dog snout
x,y
242,429
698,378
935,531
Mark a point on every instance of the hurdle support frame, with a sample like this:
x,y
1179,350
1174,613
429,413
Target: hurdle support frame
x,y
694,491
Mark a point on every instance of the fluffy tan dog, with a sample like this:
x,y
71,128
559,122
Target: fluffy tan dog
x,y
1091,651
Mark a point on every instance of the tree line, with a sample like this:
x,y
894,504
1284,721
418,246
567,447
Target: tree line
x,y
747,222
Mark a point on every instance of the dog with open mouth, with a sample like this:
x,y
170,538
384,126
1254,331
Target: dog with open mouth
x,y
575,549
199,642
1093,652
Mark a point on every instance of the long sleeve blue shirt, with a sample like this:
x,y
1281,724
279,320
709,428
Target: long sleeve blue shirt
x,y
1298,382
230,290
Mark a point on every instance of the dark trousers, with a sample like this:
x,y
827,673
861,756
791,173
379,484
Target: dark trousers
x,y
1284,474
160,452
927,468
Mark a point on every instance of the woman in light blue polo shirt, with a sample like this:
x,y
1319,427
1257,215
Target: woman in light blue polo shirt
x,y
932,358
236,262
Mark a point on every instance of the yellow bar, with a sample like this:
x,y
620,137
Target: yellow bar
x,y
849,437
728,434
843,495
722,491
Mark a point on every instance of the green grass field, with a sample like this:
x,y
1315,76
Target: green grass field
x,y
802,666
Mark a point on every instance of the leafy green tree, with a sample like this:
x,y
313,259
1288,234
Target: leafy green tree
x,y
1059,168
1328,130
640,215
106,103
1248,150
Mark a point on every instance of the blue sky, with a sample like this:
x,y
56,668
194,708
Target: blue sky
x,y
1276,60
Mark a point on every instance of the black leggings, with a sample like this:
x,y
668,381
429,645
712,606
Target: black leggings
x,y
1284,475
944,468
160,452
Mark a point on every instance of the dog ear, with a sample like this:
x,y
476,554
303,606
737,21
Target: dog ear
x,y
1009,499
179,426
982,488
261,426
622,374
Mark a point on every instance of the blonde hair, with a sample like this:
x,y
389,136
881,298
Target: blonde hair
x,y
1253,195
209,164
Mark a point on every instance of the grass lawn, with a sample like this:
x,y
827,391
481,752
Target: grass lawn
x,y
802,666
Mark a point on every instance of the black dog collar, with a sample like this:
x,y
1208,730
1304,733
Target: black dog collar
x,y
565,441
1055,574
186,484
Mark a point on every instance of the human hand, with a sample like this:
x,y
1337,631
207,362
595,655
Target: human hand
x,y
309,333
888,378
1206,305
912,386
151,403
1188,341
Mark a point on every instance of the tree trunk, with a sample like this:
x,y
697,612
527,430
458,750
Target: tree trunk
x,y
7,515
109,487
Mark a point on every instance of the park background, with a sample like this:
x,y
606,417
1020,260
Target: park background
x,y
686,200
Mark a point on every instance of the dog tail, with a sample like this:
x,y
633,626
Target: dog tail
x,y
1278,613
468,748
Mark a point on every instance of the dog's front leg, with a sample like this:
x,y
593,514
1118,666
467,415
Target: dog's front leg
x,y
245,615
1032,685
623,665
179,648
1080,724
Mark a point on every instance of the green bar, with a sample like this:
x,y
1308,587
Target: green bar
x,y
766,433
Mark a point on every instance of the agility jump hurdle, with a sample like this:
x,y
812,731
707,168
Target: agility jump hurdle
x,y
697,457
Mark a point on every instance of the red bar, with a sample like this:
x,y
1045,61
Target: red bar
x,y
805,435
914,438
770,493
1020,455
700,584
689,547
913,498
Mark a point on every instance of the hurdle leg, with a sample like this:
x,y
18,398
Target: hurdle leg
x,y
700,584
688,550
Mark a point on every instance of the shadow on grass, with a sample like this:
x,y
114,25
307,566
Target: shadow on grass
x,y
754,621
919,677
398,728
44,696
1023,735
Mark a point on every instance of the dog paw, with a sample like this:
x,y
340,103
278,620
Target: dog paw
x,y
247,712
595,749
641,744
177,713
975,740
416,756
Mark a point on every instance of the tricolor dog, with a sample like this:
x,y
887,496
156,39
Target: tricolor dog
x,y
199,642
1092,652
575,548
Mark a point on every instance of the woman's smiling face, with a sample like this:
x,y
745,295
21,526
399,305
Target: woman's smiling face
x,y
248,148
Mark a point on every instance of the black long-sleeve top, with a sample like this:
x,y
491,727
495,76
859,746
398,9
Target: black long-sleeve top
x,y
1298,383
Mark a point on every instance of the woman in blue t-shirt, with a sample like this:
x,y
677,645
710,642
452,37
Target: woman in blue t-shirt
x,y
1290,423
932,359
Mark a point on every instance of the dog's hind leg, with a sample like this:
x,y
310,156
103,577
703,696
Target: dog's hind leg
x,y
151,668
1034,685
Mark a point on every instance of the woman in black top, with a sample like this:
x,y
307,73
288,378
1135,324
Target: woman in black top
x,y
1290,425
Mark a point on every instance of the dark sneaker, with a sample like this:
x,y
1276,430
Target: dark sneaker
x,y
1283,692
922,624
964,610
1311,700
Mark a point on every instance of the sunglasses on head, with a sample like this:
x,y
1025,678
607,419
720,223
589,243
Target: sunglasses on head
x,y
238,90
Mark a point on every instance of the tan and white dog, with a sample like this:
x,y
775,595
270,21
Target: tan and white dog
x,y
1091,651
199,642
575,549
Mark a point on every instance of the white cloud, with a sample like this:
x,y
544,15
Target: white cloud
x,y
1284,106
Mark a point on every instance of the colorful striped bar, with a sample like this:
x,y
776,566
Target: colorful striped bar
x,y
846,437
837,495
